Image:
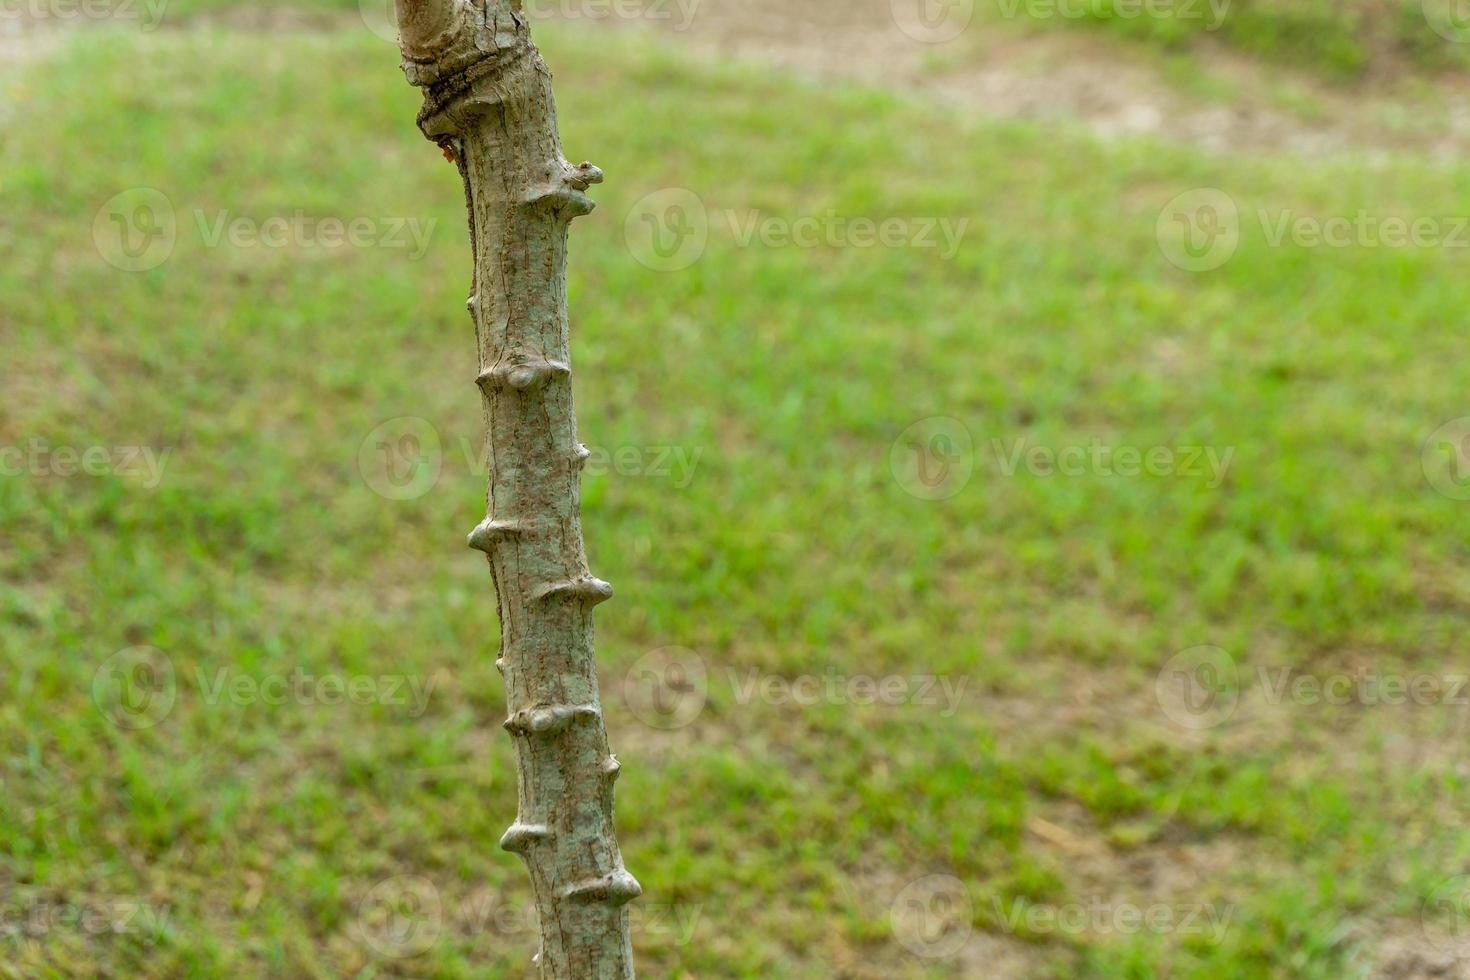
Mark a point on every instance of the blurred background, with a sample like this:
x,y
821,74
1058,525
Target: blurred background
x,y
1031,446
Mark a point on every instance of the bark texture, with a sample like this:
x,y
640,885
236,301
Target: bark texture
x,y
488,103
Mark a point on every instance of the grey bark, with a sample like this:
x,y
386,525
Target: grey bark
x,y
488,103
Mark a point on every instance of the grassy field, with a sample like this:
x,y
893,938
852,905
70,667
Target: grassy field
x,y
759,506
1341,39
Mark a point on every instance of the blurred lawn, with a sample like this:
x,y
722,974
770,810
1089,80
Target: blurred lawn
x,y
790,832
1341,39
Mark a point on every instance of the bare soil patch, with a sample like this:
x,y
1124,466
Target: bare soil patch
x,y
1109,86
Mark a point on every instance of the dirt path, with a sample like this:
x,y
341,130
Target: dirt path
x,y
1001,70
20,39
992,69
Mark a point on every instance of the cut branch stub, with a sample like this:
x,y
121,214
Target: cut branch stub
x,y
488,102
523,369
425,27
489,531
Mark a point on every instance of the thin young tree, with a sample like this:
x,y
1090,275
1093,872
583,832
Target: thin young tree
x,y
488,103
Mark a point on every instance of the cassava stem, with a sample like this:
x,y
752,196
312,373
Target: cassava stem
x,y
488,103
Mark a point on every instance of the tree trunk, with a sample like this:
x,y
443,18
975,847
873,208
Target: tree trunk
x,y
488,103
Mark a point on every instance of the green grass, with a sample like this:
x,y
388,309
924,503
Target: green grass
x,y
1339,39
785,833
